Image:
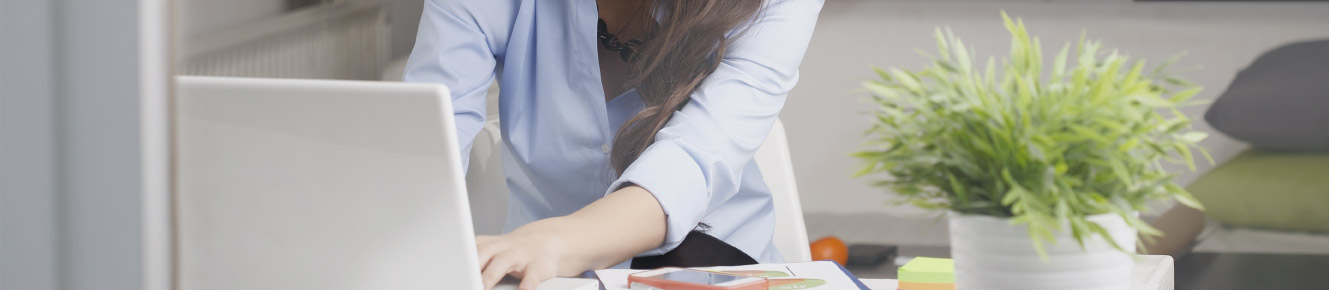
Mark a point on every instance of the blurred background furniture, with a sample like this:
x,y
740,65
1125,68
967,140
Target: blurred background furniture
x,y
1277,104
1278,190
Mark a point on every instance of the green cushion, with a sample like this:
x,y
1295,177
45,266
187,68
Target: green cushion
x,y
1272,190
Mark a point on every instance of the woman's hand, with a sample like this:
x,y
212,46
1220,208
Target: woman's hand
x,y
534,253
606,232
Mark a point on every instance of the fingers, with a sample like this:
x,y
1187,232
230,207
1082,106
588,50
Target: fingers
x,y
497,268
512,255
534,274
486,248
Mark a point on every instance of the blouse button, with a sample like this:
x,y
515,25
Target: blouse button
x,y
604,148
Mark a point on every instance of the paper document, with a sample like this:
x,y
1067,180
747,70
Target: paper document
x,y
818,275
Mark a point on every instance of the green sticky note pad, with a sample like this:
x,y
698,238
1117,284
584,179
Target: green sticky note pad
x,y
928,270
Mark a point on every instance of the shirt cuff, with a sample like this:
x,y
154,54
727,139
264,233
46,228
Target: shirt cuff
x,y
671,175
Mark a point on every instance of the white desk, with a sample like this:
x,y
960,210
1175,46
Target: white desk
x,y
1151,273
555,284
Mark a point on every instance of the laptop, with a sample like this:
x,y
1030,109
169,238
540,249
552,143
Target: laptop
x,y
319,184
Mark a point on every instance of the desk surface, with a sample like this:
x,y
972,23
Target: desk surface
x,y
554,284
1151,273
592,284
881,284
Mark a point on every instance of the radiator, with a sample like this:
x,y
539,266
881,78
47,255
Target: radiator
x,y
341,40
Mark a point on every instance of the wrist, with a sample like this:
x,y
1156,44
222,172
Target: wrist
x,y
561,239
570,233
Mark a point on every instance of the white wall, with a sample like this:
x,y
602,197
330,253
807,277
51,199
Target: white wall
x,y
200,17
825,116
203,16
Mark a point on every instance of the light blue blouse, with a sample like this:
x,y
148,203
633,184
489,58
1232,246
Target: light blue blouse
x,y
558,128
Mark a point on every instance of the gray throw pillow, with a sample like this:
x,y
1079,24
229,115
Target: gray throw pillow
x,y
1279,102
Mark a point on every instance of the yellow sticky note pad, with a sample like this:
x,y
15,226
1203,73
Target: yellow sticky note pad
x,y
927,270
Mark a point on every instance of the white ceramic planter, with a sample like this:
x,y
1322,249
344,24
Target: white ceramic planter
x,y
992,254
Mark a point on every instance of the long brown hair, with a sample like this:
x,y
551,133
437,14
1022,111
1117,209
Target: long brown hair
x,y
680,51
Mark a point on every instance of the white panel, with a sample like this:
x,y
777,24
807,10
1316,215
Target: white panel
x,y
28,147
83,159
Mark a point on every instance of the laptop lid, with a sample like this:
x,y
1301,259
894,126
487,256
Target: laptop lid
x,y
318,184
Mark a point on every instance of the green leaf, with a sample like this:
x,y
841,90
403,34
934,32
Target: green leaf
x,y
1194,136
881,90
1128,145
882,74
958,189
1087,133
962,57
1153,101
1169,62
1205,153
1134,75
907,80
1185,197
1059,64
1185,95
1178,82
942,46
1118,168
1186,155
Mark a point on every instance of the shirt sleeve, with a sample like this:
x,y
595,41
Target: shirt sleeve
x,y
452,49
698,158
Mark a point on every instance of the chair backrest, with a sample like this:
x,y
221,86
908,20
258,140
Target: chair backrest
x,y
791,234
488,190
485,183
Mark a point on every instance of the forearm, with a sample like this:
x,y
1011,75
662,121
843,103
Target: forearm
x,y
608,231
617,227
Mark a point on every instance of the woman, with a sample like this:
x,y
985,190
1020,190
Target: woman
x,y
631,124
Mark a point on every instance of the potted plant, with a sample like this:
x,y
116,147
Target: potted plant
x,y
1042,170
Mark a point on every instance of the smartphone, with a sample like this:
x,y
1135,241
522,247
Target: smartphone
x,y
687,279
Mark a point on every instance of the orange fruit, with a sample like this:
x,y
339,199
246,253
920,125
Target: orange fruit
x,y
830,248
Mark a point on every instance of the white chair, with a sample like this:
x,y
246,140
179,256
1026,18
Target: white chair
x,y
488,190
791,234
486,186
